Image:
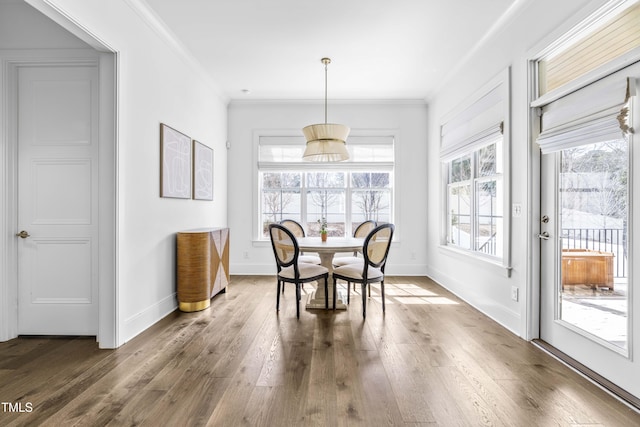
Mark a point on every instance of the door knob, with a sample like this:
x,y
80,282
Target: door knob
x,y
544,236
23,234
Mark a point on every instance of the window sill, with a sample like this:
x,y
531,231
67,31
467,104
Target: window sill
x,y
495,264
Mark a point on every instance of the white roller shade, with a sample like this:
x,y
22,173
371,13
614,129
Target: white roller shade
x,y
594,113
474,142
275,150
478,124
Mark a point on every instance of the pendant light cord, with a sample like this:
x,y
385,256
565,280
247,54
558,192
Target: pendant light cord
x,y
326,62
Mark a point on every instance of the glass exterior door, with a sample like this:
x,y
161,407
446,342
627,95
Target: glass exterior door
x,y
592,219
587,239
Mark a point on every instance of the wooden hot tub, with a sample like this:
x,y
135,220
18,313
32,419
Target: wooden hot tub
x,y
587,267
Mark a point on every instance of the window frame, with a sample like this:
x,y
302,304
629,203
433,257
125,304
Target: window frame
x,y
501,84
303,167
472,182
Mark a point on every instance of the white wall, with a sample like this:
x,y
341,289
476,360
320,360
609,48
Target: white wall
x,y
155,84
485,286
408,254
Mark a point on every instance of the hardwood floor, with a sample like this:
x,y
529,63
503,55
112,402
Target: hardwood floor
x,y
431,360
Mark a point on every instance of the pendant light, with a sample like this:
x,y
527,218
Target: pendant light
x,y
326,141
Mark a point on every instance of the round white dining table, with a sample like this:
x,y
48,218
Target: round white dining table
x,y
326,250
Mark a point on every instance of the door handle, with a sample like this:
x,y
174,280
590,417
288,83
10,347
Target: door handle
x,y
543,236
23,234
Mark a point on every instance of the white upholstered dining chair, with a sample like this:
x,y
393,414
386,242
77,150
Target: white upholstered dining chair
x,y
290,269
375,251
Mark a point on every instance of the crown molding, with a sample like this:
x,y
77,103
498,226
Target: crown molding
x,y
504,19
144,11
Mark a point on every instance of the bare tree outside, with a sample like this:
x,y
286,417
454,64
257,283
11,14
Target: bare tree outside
x,y
279,191
319,184
371,198
325,193
595,180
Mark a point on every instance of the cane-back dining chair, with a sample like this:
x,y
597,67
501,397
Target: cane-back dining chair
x,y
290,269
371,270
362,231
296,228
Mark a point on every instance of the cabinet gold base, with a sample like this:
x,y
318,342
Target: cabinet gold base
x,y
195,306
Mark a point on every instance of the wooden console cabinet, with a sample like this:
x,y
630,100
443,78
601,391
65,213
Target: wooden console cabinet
x,y
202,266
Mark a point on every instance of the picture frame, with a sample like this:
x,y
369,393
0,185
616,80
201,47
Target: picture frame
x,y
175,163
202,171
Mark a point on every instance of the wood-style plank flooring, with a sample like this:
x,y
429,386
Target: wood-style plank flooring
x,y
431,360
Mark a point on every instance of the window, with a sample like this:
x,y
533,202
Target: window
x,y
613,34
473,153
474,191
344,193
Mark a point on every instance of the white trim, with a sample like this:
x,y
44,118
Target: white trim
x,y
59,16
108,329
139,322
499,313
484,260
8,201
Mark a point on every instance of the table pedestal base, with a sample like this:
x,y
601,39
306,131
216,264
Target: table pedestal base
x,y
315,301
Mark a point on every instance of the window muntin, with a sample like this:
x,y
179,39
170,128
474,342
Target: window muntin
x,y
280,196
326,193
475,194
459,203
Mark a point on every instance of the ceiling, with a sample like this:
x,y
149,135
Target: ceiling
x,y
379,49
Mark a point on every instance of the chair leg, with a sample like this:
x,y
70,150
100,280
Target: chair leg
x,y
326,292
335,293
382,292
278,296
348,292
364,300
298,300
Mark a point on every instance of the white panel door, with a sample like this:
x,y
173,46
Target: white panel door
x,y
57,200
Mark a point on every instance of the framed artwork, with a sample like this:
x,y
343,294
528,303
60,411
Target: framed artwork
x,y
202,171
175,163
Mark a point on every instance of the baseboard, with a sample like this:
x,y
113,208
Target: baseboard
x,y
143,320
505,317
